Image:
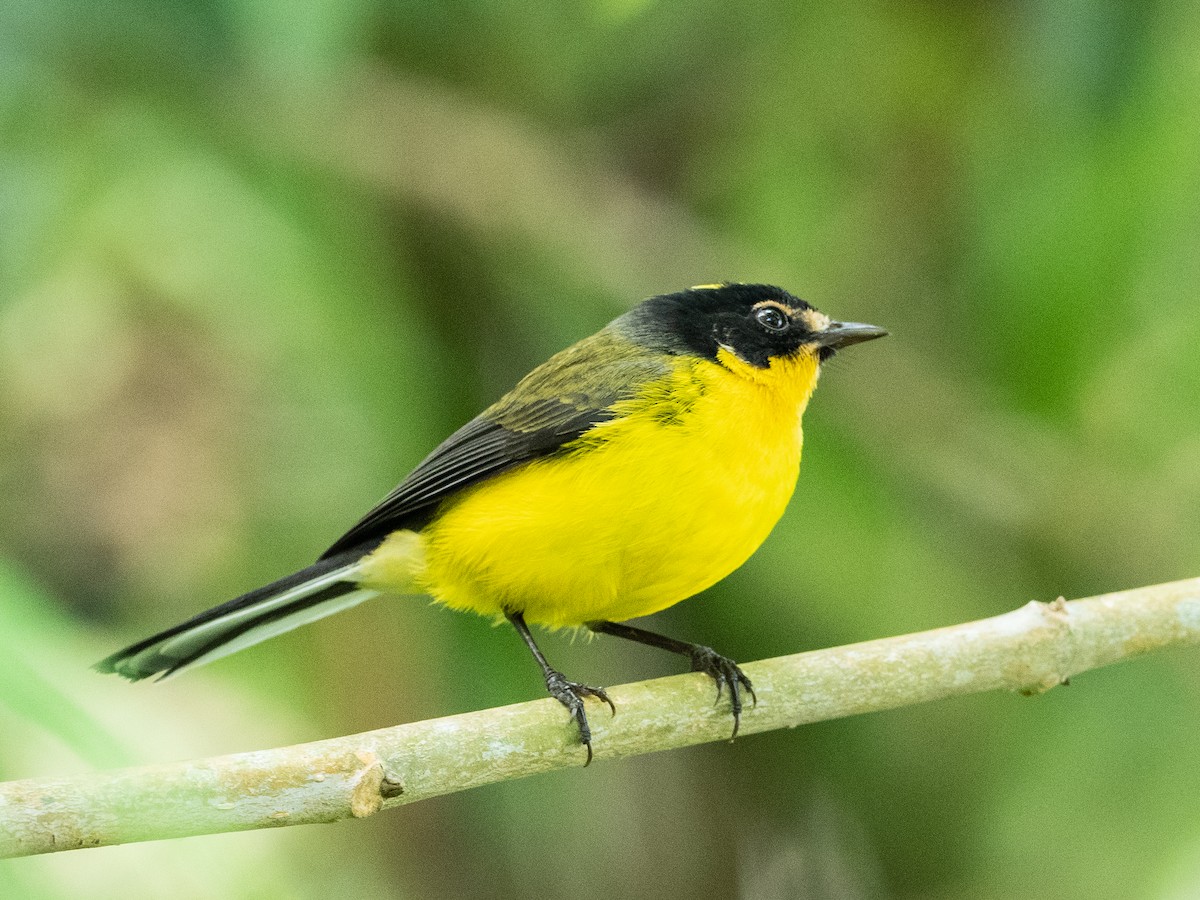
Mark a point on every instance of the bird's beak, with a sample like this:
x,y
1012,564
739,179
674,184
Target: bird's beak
x,y
843,334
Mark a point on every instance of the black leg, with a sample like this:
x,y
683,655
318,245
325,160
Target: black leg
x,y
569,693
723,671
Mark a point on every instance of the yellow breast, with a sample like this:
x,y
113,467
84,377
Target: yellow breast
x,y
645,510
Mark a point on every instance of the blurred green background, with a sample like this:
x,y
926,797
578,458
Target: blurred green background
x,y
257,258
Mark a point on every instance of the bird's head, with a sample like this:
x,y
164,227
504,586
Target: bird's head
x,y
754,324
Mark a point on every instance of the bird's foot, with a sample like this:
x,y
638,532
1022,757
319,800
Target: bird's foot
x,y
571,695
724,671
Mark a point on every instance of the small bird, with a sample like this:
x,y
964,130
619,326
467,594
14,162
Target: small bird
x,y
628,472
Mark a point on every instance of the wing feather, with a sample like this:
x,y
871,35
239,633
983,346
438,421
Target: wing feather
x,y
552,406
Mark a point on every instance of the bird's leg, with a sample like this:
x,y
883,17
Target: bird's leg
x,y
721,669
569,693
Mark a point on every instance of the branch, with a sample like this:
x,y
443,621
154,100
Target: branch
x,y
1030,650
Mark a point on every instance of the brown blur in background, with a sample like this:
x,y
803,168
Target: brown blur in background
x,y
257,258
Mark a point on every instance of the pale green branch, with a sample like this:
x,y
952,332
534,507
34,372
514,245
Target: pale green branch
x,y
1030,649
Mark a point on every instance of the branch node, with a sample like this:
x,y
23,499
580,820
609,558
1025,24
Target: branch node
x,y
1057,615
391,787
366,795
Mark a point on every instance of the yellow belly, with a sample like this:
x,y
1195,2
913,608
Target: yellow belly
x,y
644,511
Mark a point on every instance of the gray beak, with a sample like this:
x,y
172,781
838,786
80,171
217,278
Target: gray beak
x,y
843,334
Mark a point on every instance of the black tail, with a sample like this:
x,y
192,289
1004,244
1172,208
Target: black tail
x,y
323,588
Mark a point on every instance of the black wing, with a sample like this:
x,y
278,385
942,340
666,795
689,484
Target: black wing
x,y
552,406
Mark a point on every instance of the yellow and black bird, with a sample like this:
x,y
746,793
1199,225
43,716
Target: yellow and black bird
x,y
629,472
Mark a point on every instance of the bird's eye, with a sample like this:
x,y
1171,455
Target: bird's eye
x,y
771,318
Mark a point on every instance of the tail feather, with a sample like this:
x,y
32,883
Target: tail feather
x,y
253,631
322,589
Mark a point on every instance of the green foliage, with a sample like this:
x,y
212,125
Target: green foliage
x,y
257,258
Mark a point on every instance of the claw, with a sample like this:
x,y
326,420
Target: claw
x,y
571,695
724,671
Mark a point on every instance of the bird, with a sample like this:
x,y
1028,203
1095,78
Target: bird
x,y
630,471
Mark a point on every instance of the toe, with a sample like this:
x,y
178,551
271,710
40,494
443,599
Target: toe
x,y
724,672
571,694
602,695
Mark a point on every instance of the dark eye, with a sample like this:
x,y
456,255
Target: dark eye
x,y
771,318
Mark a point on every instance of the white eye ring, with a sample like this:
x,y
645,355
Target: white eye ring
x,y
771,318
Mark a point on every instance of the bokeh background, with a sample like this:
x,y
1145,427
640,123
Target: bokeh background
x,y
257,258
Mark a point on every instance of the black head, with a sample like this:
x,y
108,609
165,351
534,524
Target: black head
x,y
756,322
